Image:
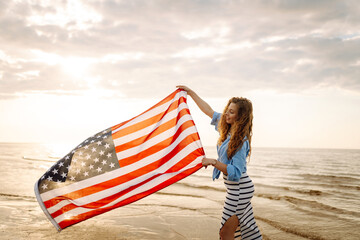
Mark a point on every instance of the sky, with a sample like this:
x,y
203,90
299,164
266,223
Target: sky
x,y
69,69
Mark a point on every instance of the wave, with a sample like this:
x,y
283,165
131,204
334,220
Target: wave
x,y
22,197
291,230
298,202
38,159
332,178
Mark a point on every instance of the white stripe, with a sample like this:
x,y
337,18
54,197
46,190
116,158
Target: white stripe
x,y
145,131
111,191
149,185
153,112
153,141
160,154
117,172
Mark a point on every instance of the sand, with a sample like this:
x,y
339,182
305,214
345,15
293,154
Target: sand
x,y
154,217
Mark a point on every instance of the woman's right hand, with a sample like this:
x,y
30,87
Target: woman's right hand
x,y
185,88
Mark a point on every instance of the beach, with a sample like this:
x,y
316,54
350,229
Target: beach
x,y
299,194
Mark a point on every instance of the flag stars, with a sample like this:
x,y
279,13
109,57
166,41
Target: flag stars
x,y
72,178
104,162
109,155
77,171
99,169
96,160
112,165
93,149
101,153
98,143
83,164
86,174
61,164
107,146
49,178
63,175
44,186
55,171
88,157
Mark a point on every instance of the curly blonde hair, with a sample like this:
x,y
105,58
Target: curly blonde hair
x,y
241,128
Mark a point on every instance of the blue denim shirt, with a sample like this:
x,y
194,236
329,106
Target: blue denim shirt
x,y
237,164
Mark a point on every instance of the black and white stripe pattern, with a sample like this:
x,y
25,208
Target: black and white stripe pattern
x,y
237,202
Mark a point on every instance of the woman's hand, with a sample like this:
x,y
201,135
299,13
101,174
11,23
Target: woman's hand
x,y
185,88
208,161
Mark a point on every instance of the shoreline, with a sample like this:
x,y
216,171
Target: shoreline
x,y
166,214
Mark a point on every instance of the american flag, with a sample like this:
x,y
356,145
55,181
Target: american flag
x,y
122,164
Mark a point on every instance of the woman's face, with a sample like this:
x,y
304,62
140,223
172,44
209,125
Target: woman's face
x,y
231,114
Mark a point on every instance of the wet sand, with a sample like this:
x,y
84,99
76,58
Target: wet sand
x,y
164,215
155,217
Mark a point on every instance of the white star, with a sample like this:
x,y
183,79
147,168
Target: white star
x,y
98,136
88,157
103,162
108,155
98,169
80,153
68,167
112,165
104,132
86,174
92,141
104,137
83,164
86,147
91,166
80,146
96,160
86,140
73,151
101,153
67,157
93,149
49,178
72,178
63,175
58,181
74,160
44,186
77,171
107,145
55,171
61,164
98,143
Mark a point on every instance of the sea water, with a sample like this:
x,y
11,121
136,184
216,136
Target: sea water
x,y
318,189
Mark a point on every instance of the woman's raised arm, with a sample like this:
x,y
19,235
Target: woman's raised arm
x,y
204,106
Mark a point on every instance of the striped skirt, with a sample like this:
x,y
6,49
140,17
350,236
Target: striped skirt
x,y
237,202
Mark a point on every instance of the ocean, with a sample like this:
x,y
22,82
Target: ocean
x,y
309,193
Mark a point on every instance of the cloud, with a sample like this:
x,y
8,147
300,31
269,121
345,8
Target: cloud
x,y
217,47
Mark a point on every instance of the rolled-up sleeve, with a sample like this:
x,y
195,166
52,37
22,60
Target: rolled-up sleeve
x,y
215,120
237,163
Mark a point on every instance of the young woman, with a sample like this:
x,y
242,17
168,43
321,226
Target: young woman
x,y
234,146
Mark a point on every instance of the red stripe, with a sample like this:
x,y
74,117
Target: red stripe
x,y
147,122
155,148
121,179
160,129
165,100
94,205
81,217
